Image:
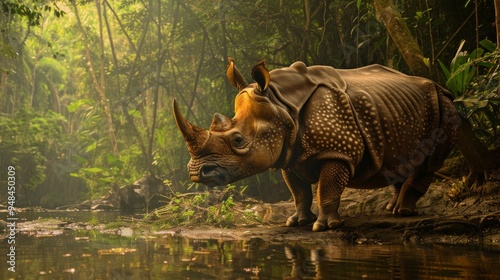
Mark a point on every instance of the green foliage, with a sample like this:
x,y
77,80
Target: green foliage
x,y
93,221
477,97
464,66
216,208
29,141
32,11
89,94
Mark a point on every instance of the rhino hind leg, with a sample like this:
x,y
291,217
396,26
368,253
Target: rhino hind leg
x,y
417,184
414,187
333,178
302,196
395,195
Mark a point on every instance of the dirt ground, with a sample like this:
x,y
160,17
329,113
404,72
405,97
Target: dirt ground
x,y
475,221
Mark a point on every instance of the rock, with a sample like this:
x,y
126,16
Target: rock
x,y
103,205
152,189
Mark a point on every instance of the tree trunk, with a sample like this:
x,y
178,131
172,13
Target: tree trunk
x,y
388,14
128,89
102,85
497,16
98,85
477,155
156,92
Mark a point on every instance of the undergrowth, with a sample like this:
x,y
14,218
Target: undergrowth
x,y
221,208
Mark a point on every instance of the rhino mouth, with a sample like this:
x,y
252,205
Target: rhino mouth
x,y
210,174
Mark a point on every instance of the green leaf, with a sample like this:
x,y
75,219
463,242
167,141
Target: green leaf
x,y
76,175
488,45
427,61
486,64
106,180
91,147
114,161
93,170
80,159
74,106
477,53
110,159
135,113
445,70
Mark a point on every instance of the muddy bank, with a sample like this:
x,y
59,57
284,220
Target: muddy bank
x,y
473,221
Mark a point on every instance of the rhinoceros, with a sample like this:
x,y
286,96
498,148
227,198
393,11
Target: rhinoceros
x,y
364,128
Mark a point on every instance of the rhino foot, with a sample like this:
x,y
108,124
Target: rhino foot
x,y
321,225
396,190
389,207
406,203
405,212
400,210
300,220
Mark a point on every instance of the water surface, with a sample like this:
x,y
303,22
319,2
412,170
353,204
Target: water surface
x,y
119,254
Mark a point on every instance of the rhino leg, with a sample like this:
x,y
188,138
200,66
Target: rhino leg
x,y
395,195
302,196
333,178
414,187
416,184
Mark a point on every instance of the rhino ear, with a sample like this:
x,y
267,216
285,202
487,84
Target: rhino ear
x,y
261,75
234,76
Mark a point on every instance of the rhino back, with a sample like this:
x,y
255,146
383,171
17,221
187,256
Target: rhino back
x,y
378,118
397,112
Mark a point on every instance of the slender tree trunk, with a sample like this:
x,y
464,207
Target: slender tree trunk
x,y
128,117
477,155
99,86
224,52
305,43
497,16
128,89
102,84
198,73
156,92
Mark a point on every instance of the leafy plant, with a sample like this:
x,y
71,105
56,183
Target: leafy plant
x,y
464,67
30,142
216,208
477,96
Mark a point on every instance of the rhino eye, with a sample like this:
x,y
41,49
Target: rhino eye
x,y
237,140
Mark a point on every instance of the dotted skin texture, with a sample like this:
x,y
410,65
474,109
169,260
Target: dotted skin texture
x,y
381,128
363,128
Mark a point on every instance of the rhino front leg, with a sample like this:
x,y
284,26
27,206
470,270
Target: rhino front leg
x,y
333,178
302,196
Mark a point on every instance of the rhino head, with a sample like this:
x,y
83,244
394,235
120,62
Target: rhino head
x,y
249,143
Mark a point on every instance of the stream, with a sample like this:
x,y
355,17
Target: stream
x,y
120,254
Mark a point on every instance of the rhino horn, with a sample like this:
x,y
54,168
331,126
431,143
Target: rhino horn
x,y
234,76
220,123
261,75
195,136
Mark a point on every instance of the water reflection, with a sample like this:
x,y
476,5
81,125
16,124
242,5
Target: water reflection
x,y
93,255
393,262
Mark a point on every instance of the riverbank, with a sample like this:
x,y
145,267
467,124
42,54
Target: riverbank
x,y
473,221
